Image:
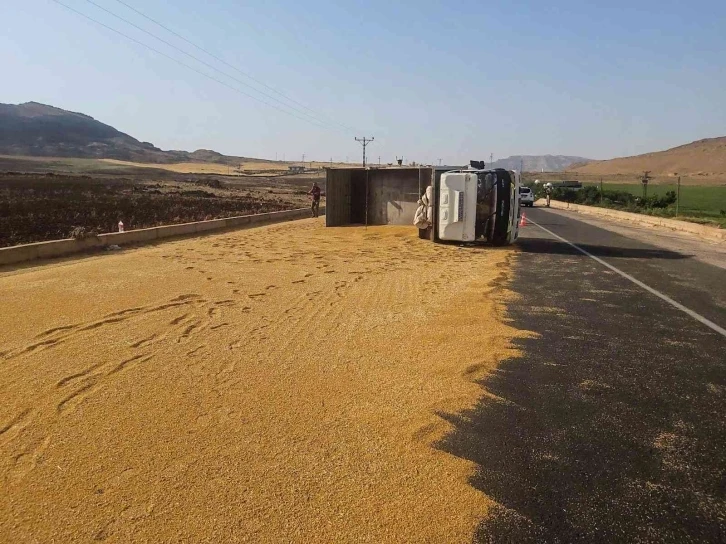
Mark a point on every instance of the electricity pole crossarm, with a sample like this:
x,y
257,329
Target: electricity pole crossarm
x,y
364,142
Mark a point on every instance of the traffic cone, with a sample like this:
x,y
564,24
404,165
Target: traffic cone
x,y
523,220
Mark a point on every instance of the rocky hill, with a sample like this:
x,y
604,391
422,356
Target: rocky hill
x,y
704,159
38,130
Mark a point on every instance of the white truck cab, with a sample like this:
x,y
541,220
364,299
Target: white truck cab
x,y
478,205
457,207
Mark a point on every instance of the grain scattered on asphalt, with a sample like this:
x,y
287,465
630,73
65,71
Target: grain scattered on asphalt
x,y
275,384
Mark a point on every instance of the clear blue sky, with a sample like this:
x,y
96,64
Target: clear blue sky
x,y
450,80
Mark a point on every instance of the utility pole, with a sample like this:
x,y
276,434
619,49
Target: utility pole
x,y
491,158
364,142
303,161
645,179
678,196
439,162
379,160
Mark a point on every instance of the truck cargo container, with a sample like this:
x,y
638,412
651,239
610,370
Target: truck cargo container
x,y
466,204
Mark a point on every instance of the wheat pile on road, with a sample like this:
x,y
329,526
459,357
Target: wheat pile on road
x,y
278,384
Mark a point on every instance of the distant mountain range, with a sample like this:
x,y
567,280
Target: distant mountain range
x,y
538,163
34,129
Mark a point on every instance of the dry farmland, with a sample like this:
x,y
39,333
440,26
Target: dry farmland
x,y
36,207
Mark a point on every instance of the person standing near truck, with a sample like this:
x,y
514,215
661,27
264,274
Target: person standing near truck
x,y
315,194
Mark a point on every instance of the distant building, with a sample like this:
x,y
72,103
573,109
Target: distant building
x,y
295,169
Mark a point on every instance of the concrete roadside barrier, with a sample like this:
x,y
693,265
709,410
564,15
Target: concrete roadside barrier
x,y
70,246
712,233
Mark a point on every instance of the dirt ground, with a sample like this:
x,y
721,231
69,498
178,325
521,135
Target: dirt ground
x,y
278,384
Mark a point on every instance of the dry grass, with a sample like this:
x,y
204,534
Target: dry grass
x,y
101,166
266,167
279,384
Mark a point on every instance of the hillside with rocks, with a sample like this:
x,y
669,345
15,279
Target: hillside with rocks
x,y
39,130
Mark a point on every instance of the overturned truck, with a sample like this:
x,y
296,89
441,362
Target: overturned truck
x,y
447,204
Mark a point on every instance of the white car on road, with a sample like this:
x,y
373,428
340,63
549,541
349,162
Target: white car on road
x,y
526,197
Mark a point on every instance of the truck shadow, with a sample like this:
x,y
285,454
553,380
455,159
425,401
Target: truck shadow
x,y
608,427
549,246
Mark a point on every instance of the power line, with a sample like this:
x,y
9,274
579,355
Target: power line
x,y
208,64
245,74
187,66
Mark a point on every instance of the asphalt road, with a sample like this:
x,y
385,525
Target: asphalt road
x,y
611,425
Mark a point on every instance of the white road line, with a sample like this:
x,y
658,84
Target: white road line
x,y
669,300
